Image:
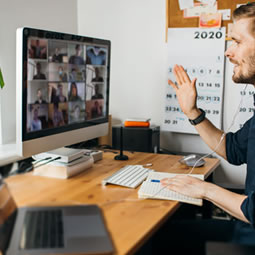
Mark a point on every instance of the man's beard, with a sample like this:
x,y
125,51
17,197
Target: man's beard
x,y
249,78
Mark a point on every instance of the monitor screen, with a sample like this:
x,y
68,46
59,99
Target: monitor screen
x,y
62,88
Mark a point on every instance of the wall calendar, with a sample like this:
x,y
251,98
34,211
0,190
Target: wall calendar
x,y
201,53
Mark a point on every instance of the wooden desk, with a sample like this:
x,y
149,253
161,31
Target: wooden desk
x,y
129,222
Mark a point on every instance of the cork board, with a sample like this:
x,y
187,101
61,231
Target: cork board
x,y
175,15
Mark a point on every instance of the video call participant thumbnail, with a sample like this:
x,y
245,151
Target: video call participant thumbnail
x,y
39,96
76,92
94,109
58,51
57,57
39,75
61,98
37,92
38,49
97,94
62,74
96,56
58,92
58,114
98,77
36,123
37,117
77,59
76,112
77,73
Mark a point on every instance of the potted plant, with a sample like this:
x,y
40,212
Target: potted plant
x,y
1,80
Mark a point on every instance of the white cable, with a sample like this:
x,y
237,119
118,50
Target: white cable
x,y
221,139
217,146
224,133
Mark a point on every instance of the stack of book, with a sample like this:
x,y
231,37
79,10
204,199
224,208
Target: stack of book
x,y
69,162
137,122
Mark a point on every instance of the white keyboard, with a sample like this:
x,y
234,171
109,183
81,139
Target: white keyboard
x,y
129,176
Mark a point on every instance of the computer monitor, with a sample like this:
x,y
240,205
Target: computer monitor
x,y
62,89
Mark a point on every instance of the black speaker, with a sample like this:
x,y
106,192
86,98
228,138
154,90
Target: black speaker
x,y
137,138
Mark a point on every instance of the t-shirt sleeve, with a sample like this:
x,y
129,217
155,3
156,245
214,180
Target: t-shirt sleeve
x,y
236,145
248,208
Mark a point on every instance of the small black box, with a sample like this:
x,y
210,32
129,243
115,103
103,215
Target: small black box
x,y
143,139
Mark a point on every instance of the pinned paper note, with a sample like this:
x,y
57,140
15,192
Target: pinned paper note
x,y
209,2
185,4
226,14
207,20
198,9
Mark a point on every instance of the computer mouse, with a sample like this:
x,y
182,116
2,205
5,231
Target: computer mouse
x,y
192,159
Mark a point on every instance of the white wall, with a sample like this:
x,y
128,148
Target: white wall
x,y
138,70
136,29
138,60
59,15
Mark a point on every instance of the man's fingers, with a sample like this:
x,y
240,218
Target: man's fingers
x,y
193,83
184,75
173,85
181,75
180,72
164,180
181,179
177,75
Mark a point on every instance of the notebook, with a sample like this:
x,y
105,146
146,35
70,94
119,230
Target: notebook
x,y
77,229
153,189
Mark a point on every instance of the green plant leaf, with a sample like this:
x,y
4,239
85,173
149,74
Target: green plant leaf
x,y
1,80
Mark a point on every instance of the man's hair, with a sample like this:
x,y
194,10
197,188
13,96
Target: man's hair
x,y
246,11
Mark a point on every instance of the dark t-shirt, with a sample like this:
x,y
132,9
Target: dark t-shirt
x,y
97,79
40,102
240,149
76,60
97,96
39,76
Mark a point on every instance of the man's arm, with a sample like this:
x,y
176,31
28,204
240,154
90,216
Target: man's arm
x,y
187,95
213,137
190,186
229,201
